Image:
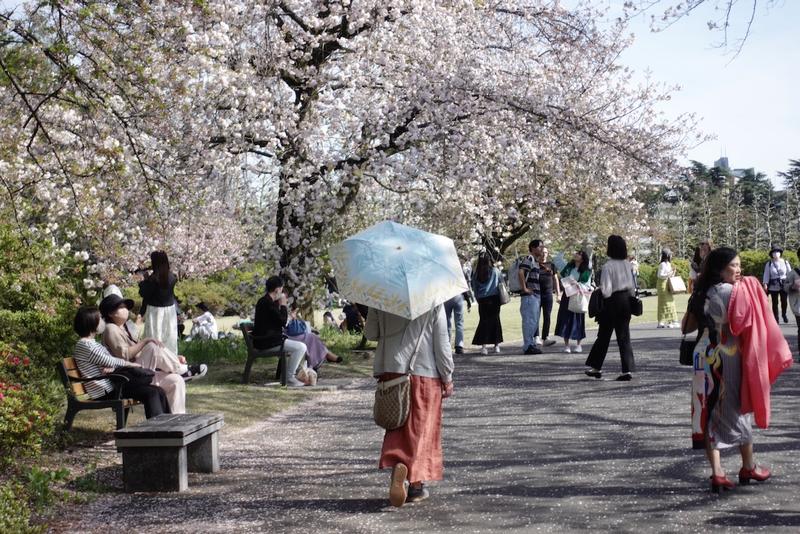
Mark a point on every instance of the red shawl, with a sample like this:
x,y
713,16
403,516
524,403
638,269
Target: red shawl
x,y
764,351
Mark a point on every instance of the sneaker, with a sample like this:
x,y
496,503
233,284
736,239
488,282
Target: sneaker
x,y
398,485
417,494
459,350
533,349
484,351
195,371
497,349
625,377
293,382
594,373
537,341
549,342
567,349
577,348
661,325
785,319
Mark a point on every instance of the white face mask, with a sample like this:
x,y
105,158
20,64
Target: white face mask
x,y
776,255
101,326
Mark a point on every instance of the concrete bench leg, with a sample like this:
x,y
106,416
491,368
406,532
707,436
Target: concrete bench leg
x,y
154,469
203,454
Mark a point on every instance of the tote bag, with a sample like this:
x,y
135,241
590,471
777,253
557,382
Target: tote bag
x,y
676,285
579,303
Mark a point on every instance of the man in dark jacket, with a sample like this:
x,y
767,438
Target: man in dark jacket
x,y
270,319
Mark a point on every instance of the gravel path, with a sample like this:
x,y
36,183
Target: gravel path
x,y
531,444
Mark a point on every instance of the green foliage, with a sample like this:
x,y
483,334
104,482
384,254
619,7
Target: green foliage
x,y
232,350
39,485
46,338
647,275
28,406
216,296
681,266
753,261
15,512
233,291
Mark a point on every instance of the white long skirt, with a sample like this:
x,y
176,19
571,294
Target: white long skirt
x,y
161,323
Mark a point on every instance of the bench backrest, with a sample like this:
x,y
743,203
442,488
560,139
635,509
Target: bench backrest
x,y
69,368
247,330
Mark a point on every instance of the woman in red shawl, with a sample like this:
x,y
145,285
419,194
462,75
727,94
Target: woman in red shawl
x,y
725,426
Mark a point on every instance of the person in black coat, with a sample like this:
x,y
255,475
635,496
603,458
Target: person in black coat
x,y
270,320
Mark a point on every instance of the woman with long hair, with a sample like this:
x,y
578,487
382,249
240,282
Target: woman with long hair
x,y
485,282
696,266
617,286
731,363
158,302
571,325
667,315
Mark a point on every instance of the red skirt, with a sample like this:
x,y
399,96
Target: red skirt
x,y
418,444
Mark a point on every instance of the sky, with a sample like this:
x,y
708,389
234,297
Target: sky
x,y
750,103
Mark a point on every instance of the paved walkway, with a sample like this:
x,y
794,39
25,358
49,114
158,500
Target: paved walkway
x,y
531,444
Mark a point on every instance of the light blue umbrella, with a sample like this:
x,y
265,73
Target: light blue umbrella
x,y
397,269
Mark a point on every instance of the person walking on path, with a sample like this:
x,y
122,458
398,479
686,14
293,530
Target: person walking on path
x,y
268,324
571,325
548,284
158,302
617,286
737,364
792,287
775,272
667,315
414,451
485,283
455,308
530,303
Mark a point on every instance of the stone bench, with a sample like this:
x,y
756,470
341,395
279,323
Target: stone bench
x,y
157,454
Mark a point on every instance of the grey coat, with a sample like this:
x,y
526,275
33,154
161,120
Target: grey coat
x,y
397,337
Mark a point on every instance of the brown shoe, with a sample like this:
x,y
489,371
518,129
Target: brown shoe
x,y
398,487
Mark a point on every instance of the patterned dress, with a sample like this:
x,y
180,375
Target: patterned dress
x,y
666,302
724,425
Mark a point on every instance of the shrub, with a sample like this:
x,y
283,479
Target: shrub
x,y
647,276
46,338
753,261
15,513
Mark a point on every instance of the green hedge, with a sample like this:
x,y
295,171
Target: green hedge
x,y
753,261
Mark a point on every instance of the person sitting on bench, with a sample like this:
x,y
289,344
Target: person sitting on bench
x,y
94,360
149,353
270,318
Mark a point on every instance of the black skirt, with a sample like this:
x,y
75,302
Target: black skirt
x,y
489,331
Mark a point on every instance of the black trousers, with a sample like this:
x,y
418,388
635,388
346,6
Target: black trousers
x,y
547,310
616,318
774,295
152,398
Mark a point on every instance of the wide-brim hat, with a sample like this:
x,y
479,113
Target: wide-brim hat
x,y
775,249
112,302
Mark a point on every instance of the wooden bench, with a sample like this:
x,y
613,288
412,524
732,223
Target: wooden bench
x,y
78,399
158,454
253,353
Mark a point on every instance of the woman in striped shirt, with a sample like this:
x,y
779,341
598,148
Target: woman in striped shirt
x,y
94,360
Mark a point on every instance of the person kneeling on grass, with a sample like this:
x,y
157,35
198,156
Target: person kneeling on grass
x,y
94,360
171,370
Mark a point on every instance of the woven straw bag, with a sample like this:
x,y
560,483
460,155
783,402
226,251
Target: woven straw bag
x,y
393,397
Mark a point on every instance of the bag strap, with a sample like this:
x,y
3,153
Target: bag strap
x,y
419,340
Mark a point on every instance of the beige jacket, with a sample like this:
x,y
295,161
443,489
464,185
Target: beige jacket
x,y
117,340
397,338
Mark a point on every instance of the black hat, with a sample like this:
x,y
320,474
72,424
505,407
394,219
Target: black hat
x,y
775,249
112,302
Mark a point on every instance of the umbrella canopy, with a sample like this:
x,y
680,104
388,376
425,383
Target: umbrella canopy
x,y
398,269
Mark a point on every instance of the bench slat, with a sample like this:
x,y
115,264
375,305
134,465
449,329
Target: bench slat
x,y
169,426
149,441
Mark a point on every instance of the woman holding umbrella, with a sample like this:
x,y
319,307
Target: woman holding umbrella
x,y
485,282
414,451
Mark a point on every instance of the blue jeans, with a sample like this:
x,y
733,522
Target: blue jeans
x,y
456,306
529,309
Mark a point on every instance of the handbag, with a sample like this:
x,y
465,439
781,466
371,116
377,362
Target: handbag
x,y
687,351
296,327
579,303
676,285
502,292
393,397
137,376
637,308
